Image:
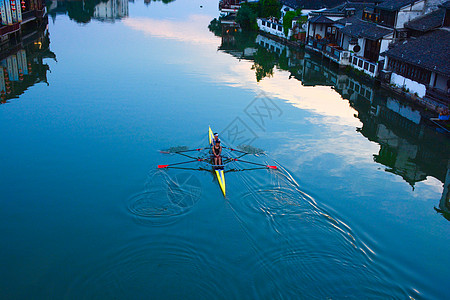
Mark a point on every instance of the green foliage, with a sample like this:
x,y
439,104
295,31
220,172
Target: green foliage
x,y
215,26
270,8
264,63
287,21
289,16
246,18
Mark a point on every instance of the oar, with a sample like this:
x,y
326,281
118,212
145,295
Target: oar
x,y
253,163
181,151
232,149
180,163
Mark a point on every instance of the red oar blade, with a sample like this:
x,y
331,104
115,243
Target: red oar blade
x,y
272,167
162,166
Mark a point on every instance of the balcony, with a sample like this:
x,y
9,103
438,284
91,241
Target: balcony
x,y
330,50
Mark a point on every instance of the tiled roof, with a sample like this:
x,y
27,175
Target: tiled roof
x,y
363,29
393,5
427,22
311,4
321,20
429,51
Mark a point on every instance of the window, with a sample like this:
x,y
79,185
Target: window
x,y
372,68
280,28
409,71
263,23
274,26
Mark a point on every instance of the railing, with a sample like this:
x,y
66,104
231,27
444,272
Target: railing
x,y
4,29
339,56
271,27
364,65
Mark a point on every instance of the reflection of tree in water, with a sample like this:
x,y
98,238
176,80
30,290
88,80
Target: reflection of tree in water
x,y
264,62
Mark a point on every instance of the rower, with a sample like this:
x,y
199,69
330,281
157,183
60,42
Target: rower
x,y
217,153
216,138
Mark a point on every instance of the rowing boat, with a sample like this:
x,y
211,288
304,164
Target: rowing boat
x,y
220,174
205,156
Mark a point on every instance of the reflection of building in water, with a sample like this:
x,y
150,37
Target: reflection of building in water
x,y
294,59
22,66
111,10
407,146
234,42
84,11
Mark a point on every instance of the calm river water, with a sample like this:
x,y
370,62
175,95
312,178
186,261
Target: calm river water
x,y
358,208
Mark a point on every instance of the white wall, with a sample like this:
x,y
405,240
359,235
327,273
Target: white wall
x,y
345,42
413,86
385,45
408,13
269,29
320,29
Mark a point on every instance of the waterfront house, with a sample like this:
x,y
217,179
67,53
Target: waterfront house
x,y
357,33
421,66
366,41
427,22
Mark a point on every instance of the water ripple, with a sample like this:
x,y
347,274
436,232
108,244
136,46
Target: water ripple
x,y
308,245
165,198
172,268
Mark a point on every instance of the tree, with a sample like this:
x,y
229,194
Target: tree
x,y
270,8
287,21
246,18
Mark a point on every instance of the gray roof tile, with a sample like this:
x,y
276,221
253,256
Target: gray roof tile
x,y
393,5
427,22
430,51
359,28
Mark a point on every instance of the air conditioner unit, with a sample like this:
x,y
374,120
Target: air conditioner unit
x,y
345,55
356,48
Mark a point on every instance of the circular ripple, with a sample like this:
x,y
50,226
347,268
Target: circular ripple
x,y
171,268
165,198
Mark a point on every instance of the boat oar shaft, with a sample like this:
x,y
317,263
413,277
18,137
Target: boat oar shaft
x,y
180,163
256,164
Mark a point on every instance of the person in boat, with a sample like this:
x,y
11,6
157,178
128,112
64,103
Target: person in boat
x,y
216,138
217,153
